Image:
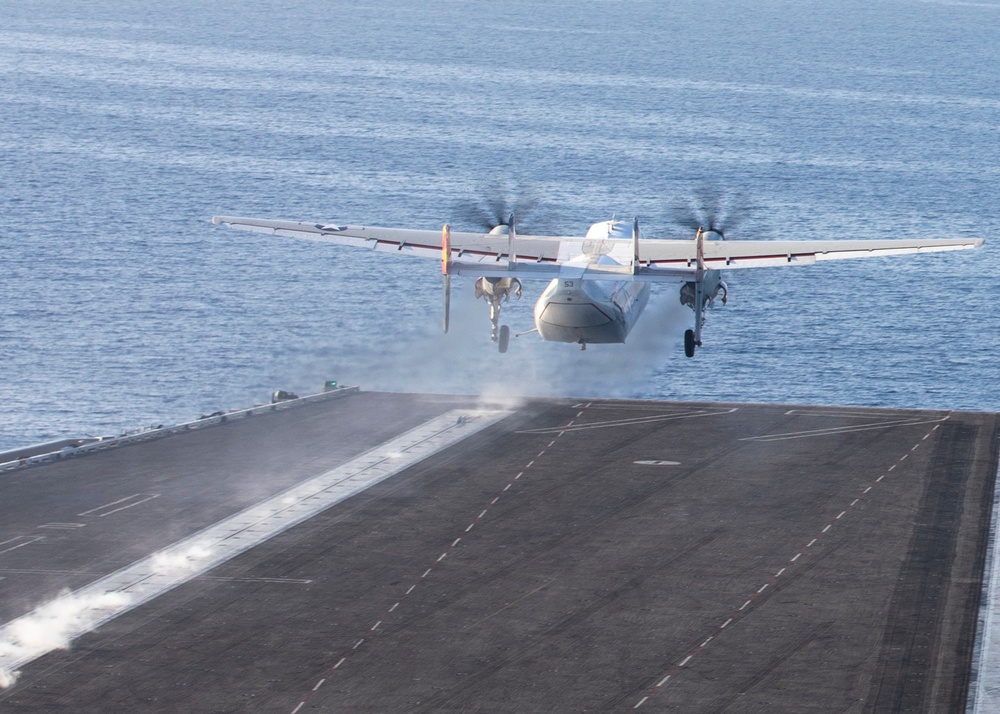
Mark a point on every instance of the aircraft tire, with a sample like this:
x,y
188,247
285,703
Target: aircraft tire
x,y
504,338
689,343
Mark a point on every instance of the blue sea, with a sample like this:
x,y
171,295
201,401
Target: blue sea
x,y
125,125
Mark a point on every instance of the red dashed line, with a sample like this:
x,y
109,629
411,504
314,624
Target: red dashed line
x,y
738,613
427,572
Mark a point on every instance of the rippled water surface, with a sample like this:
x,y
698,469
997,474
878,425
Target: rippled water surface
x,y
125,126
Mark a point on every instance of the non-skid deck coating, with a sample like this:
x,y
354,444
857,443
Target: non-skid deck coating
x,y
576,556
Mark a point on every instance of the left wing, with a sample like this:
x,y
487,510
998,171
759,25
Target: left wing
x,y
553,256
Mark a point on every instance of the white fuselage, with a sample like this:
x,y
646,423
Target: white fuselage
x,y
591,311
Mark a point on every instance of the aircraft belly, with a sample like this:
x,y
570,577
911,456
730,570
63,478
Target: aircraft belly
x,y
580,322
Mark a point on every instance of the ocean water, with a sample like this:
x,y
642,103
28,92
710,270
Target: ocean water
x,y
125,125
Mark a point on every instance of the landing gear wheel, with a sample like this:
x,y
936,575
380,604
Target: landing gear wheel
x,y
504,338
689,343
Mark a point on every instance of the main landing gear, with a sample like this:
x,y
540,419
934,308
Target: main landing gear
x,y
496,291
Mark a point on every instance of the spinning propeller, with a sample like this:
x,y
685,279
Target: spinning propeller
x,y
712,210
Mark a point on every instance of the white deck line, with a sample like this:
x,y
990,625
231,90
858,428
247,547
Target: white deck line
x,y
984,689
136,584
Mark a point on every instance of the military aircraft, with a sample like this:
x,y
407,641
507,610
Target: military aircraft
x,y
600,282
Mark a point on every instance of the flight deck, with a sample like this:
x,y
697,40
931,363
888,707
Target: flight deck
x,y
399,552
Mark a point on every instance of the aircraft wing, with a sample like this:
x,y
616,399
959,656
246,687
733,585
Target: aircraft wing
x,y
554,256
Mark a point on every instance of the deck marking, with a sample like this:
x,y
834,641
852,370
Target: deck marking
x,y
319,684
441,557
122,503
63,526
296,709
633,421
794,558
831,431
18,542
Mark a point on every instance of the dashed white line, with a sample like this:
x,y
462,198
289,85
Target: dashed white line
x,y
358,643
796,557
778,574
480,517
456,541
744,605
393,607
340,662
762,588
426,573
319,684
854,502
296,709
469,527
410,589
811,543
442,556
375,626
663,681
841,515
528,465
726,623
641,702
685,660
828,526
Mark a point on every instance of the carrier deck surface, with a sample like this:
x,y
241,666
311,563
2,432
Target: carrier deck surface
x,y
570,555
